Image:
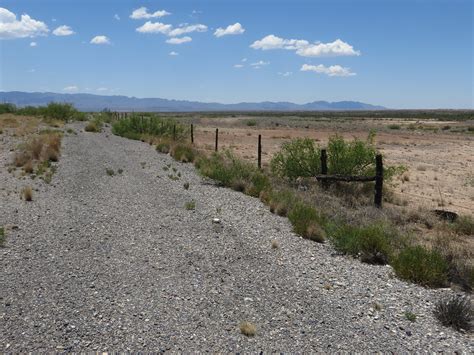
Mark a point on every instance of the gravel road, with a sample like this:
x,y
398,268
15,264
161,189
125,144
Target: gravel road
x,y
105,263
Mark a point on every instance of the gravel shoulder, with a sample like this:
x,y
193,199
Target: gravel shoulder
x,y
109,263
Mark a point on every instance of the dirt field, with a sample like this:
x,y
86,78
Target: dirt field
x,y
440,160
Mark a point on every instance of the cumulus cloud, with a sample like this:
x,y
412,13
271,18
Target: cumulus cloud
x,y
238,65
333,70
117,17
177,40
11,27
63,31
142,13
285,74
336,48
33,44
71,88
187,29
154,27
305,48
235,29
173,53
274,42
100,40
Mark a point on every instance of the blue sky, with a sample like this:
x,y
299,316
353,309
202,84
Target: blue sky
x,y
400,54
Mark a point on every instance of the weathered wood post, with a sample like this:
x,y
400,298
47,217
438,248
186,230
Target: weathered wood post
x,y
192,133
217,139
174,132
259,152
378,181
324,167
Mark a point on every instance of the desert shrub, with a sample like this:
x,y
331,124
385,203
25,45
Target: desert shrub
x,y
163,146
306,221
464,225
94,125
134,126
422,266
297,158
27,193
282,201
248,329
455,312
371,243
7,108
183,152
394,126
251,123
190,205
110,172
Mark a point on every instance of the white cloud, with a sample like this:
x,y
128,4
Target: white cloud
x,y
187,29
259,64
336,48
173,53
235,29
274,42
177,40
102,89
33,44
154,27
306,49
100,40
117,17
63,31
238,65
10,27
142,13
333,70
285,74
244,60
71,88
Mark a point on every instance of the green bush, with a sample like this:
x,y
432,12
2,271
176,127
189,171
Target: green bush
x,y
297,158
371,243
230,171
464,225
134,126
251,123
163,147
94,125
183,153
456,312
7,108
394,126
421,266
282,201
351,158
307,222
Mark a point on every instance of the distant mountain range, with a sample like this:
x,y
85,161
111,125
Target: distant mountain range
x,y
89,102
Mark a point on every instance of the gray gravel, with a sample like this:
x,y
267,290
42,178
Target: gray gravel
x,y
106,263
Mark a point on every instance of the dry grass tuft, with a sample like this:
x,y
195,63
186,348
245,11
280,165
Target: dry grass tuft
x,y
275,244
316,233
27,193
248,329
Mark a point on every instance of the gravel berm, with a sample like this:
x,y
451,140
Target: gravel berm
x,y
117,263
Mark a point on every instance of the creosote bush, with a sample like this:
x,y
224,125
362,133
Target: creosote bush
x,y
455,312
422,266
136,126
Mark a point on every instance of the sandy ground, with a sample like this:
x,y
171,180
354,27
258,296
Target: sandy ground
x,y
440,164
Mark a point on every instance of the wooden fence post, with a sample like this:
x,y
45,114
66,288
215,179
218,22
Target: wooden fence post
x,y
324,166
192,133
259,152
378,181
174,132
217,138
